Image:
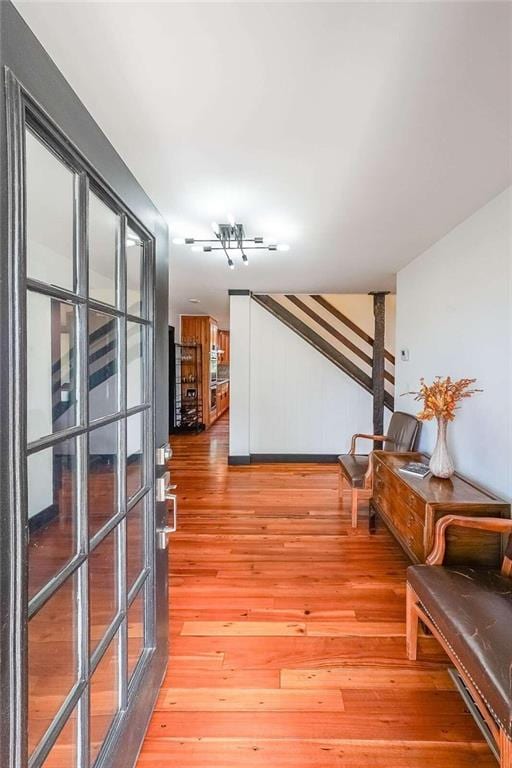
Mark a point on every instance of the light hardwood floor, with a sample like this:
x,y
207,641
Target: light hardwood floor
x,y
288,647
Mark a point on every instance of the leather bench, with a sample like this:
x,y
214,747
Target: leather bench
x,y
469,610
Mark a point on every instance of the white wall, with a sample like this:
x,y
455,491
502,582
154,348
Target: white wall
x,y
454,314
299,401
239,374
285,396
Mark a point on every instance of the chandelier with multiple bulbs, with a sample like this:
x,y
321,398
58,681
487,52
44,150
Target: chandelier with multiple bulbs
x,y
231,237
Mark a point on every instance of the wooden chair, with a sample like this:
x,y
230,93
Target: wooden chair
x,y
355,468
469,611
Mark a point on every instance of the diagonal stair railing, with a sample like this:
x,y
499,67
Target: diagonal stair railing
x,y
326,337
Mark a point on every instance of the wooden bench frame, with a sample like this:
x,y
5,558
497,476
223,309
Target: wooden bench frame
x,y
368,475
416,612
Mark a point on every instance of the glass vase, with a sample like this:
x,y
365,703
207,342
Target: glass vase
x,y
441,464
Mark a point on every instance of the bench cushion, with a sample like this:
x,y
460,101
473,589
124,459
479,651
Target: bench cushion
x,y
354,468
472,609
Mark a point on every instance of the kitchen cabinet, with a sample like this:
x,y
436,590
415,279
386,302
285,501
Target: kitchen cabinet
x,y
222,398
223,347
203,330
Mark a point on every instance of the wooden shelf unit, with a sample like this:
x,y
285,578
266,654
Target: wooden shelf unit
x,y
188,388
203,330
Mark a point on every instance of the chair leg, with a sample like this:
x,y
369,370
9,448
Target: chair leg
x,y
354,507
341,486
412,626
505,750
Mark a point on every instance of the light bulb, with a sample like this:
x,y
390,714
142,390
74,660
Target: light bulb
x,y
215,227
231,263
197,248
231,219
245,260
179,241
283,247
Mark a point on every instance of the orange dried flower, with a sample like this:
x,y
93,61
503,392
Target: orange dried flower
x,y
440,398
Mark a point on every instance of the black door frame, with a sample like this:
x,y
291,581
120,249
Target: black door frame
x,y
28,76
172,379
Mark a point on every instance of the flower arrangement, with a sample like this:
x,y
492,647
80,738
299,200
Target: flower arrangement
x,y
440,401
441,398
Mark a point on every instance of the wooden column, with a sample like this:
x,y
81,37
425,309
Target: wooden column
x,y
379,312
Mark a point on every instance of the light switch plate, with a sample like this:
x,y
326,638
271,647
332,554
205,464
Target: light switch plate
x,y
404,355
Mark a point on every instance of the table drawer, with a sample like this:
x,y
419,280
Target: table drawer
x,y
412,502
412,529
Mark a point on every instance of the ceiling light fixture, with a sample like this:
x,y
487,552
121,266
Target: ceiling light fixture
x,y
231,237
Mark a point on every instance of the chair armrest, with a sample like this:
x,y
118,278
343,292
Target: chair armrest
x,y
496,524
380,438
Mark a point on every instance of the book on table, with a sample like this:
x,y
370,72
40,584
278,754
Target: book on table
x,y
416,468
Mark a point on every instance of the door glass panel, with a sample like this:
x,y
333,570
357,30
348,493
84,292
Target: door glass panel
x,y
103,365
52,512
64,752
134,273
104,700
103,475
134,364
135,631
134,543
51,366
135,455
70,344
52,658
50,216
103,599
103,246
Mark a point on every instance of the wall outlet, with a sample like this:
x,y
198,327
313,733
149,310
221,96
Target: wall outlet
x,y
404,355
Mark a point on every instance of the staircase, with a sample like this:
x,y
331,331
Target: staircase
x,y
102,365
334,335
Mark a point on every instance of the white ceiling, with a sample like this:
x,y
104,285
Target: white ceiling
x,y
358,133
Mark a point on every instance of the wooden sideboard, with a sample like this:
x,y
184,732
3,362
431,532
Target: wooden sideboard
x,y
411,506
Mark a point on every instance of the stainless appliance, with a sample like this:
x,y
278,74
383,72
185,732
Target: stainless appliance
x,y
213,366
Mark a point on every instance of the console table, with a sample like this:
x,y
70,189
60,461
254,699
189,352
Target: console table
x,y
410,507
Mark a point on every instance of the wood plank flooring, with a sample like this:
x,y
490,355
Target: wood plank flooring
x,y
287,631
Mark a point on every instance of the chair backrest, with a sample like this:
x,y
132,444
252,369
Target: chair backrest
x,y
404,429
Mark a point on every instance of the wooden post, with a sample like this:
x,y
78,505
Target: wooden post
x,y
379,312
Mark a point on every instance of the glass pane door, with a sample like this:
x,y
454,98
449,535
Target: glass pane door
x,y
89,476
